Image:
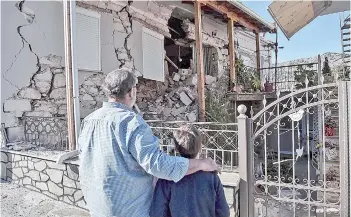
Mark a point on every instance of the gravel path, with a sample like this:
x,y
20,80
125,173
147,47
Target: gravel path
x,y
17,201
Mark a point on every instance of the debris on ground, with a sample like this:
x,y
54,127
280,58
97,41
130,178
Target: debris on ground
x,y
17,201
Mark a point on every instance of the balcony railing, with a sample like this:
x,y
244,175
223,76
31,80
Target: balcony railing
x,y
287,78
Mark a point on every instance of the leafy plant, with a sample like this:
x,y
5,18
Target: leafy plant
x,y
347,74
247,77
329,122
326,69
331,174
302,73
217,107
343,72
256,82
330,145
286,172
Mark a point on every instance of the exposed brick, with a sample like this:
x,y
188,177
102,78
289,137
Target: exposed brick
x,y
38,114
29,93
52,60
59,80
9,119
46,107
210,79
17,105
43,81
87,97
59,93
185,98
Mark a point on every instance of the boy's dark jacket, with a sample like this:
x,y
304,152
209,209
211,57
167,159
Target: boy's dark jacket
x,y
197,195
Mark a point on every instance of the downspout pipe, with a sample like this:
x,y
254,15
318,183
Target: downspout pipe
x,y
75,71
72,89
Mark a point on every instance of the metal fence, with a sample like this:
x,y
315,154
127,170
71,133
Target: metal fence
x,y
286,78
276,182
47,132
219,140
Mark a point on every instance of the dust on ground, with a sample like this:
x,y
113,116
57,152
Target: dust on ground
x,y
17,201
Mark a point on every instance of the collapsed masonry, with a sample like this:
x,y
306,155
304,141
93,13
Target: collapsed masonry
x,y
44,97
174,99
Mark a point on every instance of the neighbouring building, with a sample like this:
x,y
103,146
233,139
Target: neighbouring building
x,y
156,38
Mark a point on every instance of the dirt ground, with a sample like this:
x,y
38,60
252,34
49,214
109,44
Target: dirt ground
x,y
18,201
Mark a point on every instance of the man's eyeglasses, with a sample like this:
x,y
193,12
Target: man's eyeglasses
x,y
132,88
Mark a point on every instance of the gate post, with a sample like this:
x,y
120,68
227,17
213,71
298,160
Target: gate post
x,y
246,206
344,146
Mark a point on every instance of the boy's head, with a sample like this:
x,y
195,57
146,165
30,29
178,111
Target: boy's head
x,y
188,141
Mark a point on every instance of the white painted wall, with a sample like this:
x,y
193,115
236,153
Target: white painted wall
x,y
45,35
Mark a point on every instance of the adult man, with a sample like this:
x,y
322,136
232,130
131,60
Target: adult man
x,y
119,155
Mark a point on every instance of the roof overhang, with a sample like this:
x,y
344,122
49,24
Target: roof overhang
x,y
264,25
239,13
292,16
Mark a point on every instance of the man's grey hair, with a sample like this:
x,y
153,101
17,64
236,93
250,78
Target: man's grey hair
x,y
119,82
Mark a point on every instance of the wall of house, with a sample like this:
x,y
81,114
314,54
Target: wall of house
x,y
32,69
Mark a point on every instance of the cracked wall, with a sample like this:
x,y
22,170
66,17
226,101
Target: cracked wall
x,y
33,57
32,66
32,79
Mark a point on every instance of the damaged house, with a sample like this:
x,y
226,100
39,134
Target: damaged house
x,y
158,39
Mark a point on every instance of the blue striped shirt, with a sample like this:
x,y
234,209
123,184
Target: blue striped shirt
x,y
119,157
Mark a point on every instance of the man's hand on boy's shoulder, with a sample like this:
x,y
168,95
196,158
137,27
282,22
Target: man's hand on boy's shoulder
x,y
209,165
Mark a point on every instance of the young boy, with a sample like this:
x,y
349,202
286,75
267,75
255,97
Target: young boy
x,y
198,195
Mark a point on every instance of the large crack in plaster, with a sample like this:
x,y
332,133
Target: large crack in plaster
x,y
29,16
129,31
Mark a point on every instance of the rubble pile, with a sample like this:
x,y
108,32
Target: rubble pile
x,y
174,99
44,94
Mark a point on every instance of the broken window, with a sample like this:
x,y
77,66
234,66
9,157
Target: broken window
x,y
210,61
182,52
179,51
180,56
88,40
210,58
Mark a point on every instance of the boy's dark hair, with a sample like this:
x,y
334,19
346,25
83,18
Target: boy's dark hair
x,y
187,141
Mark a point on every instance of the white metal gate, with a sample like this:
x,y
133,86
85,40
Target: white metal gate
x,y
294,155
